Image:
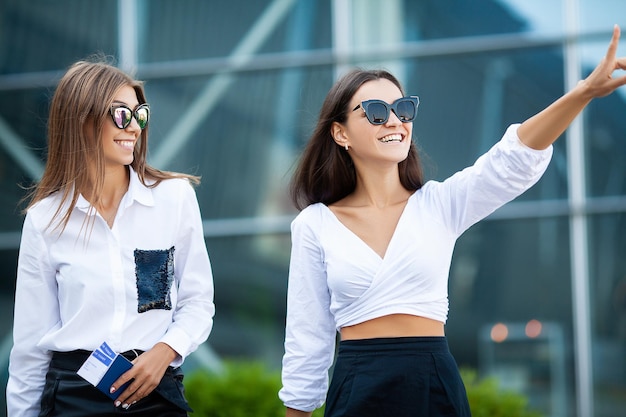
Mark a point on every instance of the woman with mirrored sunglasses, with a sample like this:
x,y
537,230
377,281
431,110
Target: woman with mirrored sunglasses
x,y
112,252
373,242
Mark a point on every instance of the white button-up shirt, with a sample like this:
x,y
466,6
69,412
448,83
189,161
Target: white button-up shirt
x,y
146,280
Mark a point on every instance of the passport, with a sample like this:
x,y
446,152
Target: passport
x,y
103,367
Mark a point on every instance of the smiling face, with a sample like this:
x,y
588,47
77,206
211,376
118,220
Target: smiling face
x,y
118,144
385,143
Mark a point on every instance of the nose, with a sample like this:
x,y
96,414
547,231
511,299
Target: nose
x,y
133,125
393,119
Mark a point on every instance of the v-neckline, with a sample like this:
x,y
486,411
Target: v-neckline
x,y
364,243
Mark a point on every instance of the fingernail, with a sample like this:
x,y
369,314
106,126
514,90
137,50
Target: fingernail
x,y
125,406
112,390
118,403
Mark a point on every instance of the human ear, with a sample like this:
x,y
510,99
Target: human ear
x,y
338,133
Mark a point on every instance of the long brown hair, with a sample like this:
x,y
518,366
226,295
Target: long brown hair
x,y
75,159
325,173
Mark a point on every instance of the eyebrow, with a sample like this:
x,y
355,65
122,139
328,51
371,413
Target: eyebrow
x,y
126,104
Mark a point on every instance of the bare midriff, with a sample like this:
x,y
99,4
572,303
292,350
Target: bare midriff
x,y
393,325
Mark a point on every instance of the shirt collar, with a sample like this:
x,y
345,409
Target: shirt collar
x,y
139,192
136,192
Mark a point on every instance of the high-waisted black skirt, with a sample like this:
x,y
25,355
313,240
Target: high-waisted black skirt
x,y
67,394
396,377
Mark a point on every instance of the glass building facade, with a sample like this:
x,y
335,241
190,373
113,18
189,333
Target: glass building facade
x,y
537,290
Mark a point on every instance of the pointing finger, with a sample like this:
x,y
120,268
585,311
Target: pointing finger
x,y
612,50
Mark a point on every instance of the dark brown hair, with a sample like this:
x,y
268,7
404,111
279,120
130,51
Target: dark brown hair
x,y
325,173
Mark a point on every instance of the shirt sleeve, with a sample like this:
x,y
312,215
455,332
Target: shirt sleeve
x,y
310,331
193,317
36,312
506,171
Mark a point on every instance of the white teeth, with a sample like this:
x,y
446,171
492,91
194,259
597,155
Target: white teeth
x,y
391,138
128,144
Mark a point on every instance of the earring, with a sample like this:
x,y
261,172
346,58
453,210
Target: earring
x,y
347,148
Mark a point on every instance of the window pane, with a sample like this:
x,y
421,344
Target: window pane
x,y
435,19
607,286
242,141
23,118
605,125
598,20
42,35
468,101
250,294
514,272
217,28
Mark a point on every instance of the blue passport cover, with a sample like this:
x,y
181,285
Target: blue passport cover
x,y
119,365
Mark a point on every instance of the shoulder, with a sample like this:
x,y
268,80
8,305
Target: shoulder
x,y
46,203
430,188
172,197
173,185
44,210
311,218
174,190
311,214
46,216
178,194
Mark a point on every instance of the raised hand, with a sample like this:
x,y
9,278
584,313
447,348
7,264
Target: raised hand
x,y
541,130
601,81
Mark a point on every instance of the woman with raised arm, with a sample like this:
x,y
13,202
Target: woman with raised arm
x,y
373,243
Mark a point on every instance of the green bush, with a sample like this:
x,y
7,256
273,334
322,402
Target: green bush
x,y
247,389
487,400
244,389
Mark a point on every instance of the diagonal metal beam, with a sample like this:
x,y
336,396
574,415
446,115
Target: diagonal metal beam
x,y
209,96
14,146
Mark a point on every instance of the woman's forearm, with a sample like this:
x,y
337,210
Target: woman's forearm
x,y
541,130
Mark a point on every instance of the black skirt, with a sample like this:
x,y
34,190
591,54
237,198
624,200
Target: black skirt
x,y
69,395
396,377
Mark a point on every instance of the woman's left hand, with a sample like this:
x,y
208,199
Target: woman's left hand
x,y
601,81
541,130
147,371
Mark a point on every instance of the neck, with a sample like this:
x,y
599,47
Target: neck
x,y
113,190
379,188
115,182
114,187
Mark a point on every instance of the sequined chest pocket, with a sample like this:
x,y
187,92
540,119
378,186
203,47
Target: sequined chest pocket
x,y
154,271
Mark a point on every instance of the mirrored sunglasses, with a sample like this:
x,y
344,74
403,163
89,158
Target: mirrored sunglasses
x,y
122,115
377,111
